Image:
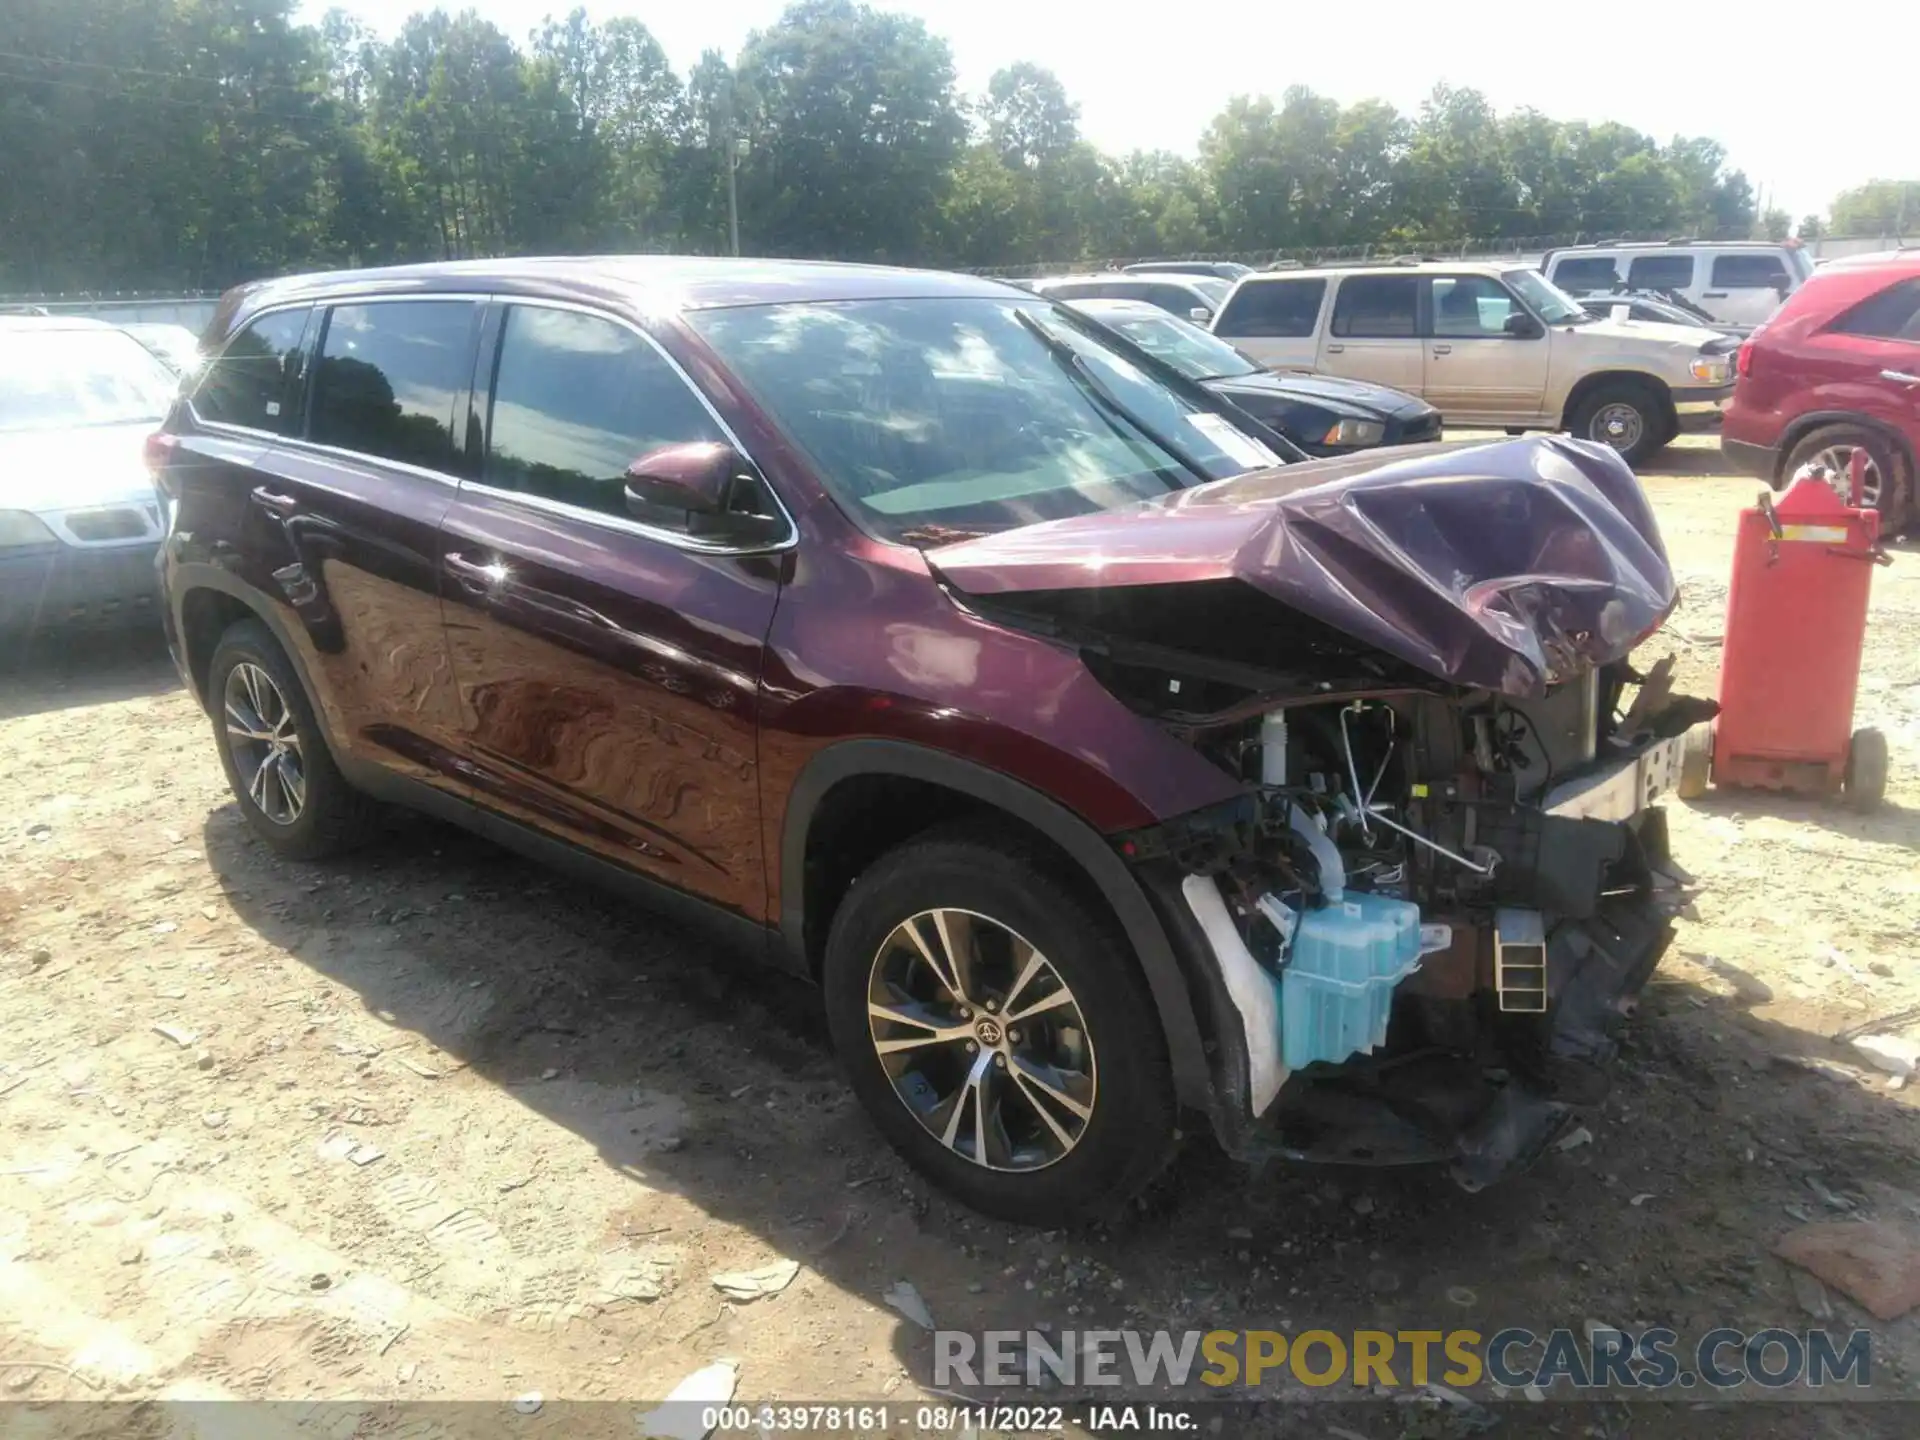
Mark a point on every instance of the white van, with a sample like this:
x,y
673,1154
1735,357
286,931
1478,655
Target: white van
x,y
1739,282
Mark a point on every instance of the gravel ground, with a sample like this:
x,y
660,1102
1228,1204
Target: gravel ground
x,y
429,1123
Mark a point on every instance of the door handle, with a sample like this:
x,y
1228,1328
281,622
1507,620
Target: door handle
x,y
1900,377
1714,295
1336,349
1443,349
473,575
279,504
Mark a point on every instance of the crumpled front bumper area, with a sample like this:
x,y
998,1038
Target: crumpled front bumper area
x,y
1483,1118
1460,1082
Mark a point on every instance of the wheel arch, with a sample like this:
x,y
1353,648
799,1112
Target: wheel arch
x,y
839,786
1801,426
208,602
1587,385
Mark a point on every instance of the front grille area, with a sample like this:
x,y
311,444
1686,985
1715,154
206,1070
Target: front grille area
x,y
95,526
1421,427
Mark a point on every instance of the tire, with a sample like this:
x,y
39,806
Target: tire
x,y
319,816
1696,763
1006,892
1866,776
1889,473
1626,415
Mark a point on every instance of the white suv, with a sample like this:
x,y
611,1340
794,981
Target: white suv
x,y
1739,282
1487,345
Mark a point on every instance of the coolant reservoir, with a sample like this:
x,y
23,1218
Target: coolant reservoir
x,y
1336,991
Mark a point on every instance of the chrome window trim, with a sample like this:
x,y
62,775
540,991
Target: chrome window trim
x,y
619,523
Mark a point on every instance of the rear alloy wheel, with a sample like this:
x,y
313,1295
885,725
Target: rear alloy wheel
x,y
1831,448
998,1031
278,766
1625,416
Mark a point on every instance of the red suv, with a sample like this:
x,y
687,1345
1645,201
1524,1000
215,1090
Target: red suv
x,y
949,648
1836,369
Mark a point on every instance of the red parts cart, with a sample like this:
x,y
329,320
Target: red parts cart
x,y
1796,622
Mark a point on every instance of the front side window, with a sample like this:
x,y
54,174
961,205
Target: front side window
x,y
1585,272
251,382
388,377
934,418
1660,272
577,399
1893,314
1376,307
1273,309
56,379
1470,307
1749,272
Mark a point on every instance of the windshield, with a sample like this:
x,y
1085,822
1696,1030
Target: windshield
x,y
1545,299
1187,348
58,379
1216,291
934,419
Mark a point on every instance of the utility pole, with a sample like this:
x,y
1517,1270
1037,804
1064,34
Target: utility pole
x,y
736,148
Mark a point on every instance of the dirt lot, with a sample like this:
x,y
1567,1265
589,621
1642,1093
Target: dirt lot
x,y
432,1124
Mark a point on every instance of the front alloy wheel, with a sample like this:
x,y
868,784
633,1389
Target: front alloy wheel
x,y
264,744
997,1026
983,1041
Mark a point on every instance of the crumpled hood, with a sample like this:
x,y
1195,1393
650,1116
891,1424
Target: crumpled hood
x,y
1504,566
48,471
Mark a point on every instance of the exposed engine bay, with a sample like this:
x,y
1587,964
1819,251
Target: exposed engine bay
x,y
1443,879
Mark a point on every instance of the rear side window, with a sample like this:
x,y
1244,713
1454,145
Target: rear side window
x,y
1732,272
1377,306
1893,314
249,384
1660,272
1273,309
1585,272
388,377
576,400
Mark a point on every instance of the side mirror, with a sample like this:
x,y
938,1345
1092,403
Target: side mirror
x,y
706,489
1200,315
1523,326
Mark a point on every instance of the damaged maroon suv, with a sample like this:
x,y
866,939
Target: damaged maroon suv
x,y
1099,764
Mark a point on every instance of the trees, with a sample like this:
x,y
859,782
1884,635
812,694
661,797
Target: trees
x,y
198,143
1879,207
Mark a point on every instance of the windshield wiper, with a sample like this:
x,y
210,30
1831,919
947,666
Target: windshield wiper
x,y
1075,365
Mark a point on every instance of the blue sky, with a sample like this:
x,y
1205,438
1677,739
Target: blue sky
x,y
1809,99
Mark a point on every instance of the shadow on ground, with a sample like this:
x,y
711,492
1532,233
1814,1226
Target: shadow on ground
x,y
1711,1144
63,672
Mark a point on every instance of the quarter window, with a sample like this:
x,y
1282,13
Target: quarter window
x,y
1660,272
1375,306
576,400
1273,309
388,378
1748,272
249,384
1893,314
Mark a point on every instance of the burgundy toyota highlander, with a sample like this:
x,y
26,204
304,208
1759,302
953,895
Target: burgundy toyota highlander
x,y
1098,763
